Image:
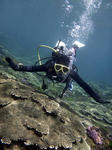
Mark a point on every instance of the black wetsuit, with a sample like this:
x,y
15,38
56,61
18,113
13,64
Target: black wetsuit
x,y
48,67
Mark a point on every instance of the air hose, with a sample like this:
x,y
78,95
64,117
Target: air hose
x,y
45,47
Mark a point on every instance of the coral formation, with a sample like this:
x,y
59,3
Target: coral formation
x,y
36,119
94,133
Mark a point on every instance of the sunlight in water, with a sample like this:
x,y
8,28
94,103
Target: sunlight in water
x,y
81,29
68,7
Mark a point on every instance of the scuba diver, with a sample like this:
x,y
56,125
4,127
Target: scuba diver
x,y
71,53
58,69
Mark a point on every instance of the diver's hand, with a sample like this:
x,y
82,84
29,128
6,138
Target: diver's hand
x,y
61,96
8,59
12,64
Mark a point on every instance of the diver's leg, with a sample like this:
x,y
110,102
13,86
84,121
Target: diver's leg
x,y
44,85
70,88
16,67
85,86
66,87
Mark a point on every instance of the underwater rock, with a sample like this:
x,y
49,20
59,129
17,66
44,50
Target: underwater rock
x,y
81,146
3,52
36,120
31,120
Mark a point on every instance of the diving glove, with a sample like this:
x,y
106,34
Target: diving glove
x,y
11,63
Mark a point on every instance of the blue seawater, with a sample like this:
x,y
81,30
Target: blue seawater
x,y
26,24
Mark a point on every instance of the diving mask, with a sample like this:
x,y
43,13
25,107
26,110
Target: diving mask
x,y
64,69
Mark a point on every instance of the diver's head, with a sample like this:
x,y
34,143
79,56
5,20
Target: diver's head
x,y
61,66
62,71
62,59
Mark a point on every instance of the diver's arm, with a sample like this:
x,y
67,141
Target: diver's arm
x,y
85,86
66,87
40,68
